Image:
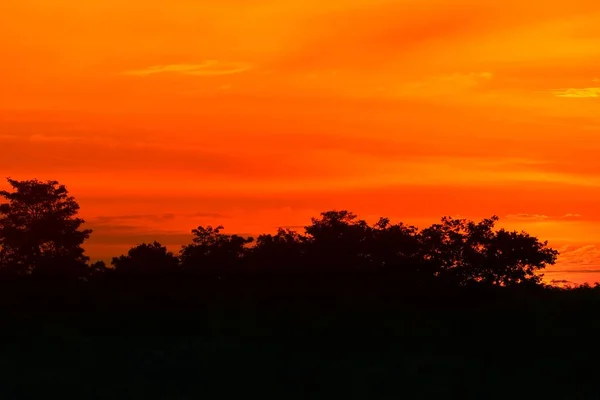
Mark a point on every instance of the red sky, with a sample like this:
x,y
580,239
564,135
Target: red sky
x,y
160,116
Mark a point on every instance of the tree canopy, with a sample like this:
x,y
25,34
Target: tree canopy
x,y
152,258
40,232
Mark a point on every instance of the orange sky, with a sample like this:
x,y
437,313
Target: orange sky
x,y
160,116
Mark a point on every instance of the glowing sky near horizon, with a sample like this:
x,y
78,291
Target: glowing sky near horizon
x,y
160,116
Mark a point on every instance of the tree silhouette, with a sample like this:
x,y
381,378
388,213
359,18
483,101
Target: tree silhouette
x,y
146,260
213,251
285,251
463,252
39,230
394,248
98,270
451,249
40,234
515,257
338,241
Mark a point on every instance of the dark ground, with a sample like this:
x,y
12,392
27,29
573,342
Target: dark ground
x,y
540,346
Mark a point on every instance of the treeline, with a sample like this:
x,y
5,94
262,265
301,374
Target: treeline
x,y
337,257
41,235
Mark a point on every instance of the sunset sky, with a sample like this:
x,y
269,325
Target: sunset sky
x,y
163,115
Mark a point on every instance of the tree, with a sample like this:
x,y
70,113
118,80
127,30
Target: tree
x,y
394,248
463,252
453,249
515,258
146,260
338,241
284,251
98,270
213,251
39,230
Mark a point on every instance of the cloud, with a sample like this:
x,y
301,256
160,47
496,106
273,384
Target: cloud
x,y
581,93
578,257
207,68
578,271
528,217
291,227
562,283
127,238
46,138
100,229
541,217
38,138
101,220
209,215
446,84
472,77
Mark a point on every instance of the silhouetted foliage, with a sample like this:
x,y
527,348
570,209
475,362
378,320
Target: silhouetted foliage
x,y
464,252
39,231
339,241
213,252
97,270
146,260
396,249
285,251
40,234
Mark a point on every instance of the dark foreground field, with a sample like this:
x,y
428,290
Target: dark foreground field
x,y
464,345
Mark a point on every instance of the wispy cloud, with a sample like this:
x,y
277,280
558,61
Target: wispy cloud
x,y
291,227
207,68
38,138
577,92
571,216
541,217
106,219
208,215
578,271
48,138
446,84
583,257
128,237
528,217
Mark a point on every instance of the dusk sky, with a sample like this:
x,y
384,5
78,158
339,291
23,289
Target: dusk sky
x,y
160,116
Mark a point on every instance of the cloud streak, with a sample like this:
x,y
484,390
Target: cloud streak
x,y
542,217
580,93
105,219
207,68
446,84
